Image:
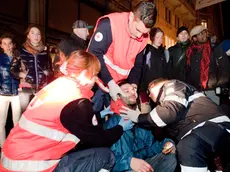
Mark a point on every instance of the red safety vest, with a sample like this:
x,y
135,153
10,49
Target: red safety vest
x,y
39,140
123,50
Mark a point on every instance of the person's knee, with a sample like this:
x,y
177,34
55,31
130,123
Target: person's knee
x,y
107,157
171,160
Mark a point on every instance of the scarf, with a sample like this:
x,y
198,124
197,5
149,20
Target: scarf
x,y
205,60
34,49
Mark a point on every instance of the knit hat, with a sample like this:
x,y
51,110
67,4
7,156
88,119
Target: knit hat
x,y
180,29
196,30
81,24
226,45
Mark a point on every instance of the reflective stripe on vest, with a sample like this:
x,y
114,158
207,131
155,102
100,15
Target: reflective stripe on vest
x,y
37,129
116,68
27,165
218,119
46,132
183,101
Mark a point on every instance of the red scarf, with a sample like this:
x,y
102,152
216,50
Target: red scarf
x,y
205,60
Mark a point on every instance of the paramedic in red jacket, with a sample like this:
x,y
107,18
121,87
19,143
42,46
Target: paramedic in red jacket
x,y
118,42
58,119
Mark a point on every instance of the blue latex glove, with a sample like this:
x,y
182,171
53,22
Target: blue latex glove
x,y
105,112
126,124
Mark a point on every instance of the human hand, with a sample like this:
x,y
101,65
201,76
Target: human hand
x,y
129,113
115,90
105,112
23,74
126,124
169,147
140,165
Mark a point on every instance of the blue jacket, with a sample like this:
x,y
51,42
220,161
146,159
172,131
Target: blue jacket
x,y
137,142
8,85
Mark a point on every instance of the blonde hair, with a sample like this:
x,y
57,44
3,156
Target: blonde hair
x,y
81,60
156,82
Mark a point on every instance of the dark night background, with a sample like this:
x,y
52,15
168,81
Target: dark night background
x,y
226,18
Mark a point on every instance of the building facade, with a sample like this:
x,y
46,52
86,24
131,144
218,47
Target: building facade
x,y
55,17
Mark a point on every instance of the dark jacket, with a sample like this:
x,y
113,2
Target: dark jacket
x,y
72,43
177,61
39,66
8,84
181,109
155,66
219,69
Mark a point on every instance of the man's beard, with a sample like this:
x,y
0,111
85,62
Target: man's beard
x,y
130,104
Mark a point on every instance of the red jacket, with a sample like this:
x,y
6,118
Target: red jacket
x,y
39,139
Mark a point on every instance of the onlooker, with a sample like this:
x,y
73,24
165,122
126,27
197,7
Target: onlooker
x,y
155,66
177,62
8,86
138,149
77,40
207,68
34,56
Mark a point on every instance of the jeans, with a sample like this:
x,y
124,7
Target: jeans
x,y
16,113
100,99
89,160
162,162
26,95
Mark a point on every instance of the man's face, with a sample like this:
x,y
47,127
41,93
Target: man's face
x,y
131,94
83,33
183,36
136,27
7,45
202,37
154,92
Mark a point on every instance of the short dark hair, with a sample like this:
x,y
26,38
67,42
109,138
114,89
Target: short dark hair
x,y
146,11
123,82
154,31
6,35
156,82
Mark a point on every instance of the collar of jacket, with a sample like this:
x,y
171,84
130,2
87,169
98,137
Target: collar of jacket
x,y
82,42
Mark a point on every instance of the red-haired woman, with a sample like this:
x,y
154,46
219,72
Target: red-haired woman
x,y
59,118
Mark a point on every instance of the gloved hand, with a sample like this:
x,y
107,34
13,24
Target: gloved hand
x,y
114,90
105,112
129,113
126,124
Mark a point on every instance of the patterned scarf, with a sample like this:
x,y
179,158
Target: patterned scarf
x,y
205,60
34,49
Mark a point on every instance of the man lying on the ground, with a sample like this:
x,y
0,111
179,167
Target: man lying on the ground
x,y
137,148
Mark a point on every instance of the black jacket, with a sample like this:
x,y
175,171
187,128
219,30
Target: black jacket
x,y
72,43
39,66
177,113
77,117
177,61
155,66
219,69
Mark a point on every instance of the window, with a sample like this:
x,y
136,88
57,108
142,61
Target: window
x,y
177,22
204,23
167,15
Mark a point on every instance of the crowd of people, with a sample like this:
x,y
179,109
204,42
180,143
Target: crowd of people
x,y
151,109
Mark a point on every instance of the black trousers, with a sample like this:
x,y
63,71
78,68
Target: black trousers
x,y
203,143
